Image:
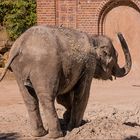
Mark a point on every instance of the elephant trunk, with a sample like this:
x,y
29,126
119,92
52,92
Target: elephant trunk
x,y
120,72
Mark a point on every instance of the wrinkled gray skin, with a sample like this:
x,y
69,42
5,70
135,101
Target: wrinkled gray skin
x,y
58,63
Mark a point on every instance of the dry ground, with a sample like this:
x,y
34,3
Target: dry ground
x,y
113,112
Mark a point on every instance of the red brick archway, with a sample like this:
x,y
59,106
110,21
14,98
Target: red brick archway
x,y
108,6
122,16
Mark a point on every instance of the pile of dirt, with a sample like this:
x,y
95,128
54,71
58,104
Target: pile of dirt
x,y
105,122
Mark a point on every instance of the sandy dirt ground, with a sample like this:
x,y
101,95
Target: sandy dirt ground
x,y
113,112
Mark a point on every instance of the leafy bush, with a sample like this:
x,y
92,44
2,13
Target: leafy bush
x,y
17,16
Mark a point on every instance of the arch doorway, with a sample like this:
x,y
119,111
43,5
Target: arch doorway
x,y
125,19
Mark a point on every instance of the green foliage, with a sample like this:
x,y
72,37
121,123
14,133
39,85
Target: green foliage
x,y
17,16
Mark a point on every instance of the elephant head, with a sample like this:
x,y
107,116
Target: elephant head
x,y
107,58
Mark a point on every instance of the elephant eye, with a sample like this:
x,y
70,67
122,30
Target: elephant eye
x,y
104,53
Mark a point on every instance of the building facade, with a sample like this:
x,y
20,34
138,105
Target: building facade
x,y
97,17
85,15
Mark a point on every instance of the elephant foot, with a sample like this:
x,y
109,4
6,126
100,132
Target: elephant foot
x,y
39,132
54,134
66,116
72,126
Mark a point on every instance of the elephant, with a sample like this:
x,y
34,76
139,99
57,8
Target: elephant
x,y
58,63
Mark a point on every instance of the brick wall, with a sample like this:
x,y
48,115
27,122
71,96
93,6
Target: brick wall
x,y
85,15
46,12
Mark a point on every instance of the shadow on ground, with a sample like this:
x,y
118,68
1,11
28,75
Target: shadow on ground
x,y
131,124
132,138
9,136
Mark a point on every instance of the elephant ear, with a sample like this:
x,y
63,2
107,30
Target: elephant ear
x,y
94,41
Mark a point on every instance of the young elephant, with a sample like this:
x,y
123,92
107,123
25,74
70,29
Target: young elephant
x,y
59,63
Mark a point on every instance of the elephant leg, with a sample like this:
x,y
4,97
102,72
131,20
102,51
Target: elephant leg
x,y
32,104
46,95
66,101
81,96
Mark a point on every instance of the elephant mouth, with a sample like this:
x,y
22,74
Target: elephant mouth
x,y
108,77
102,73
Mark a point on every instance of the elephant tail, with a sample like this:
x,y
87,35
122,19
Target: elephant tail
x,y
8,65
